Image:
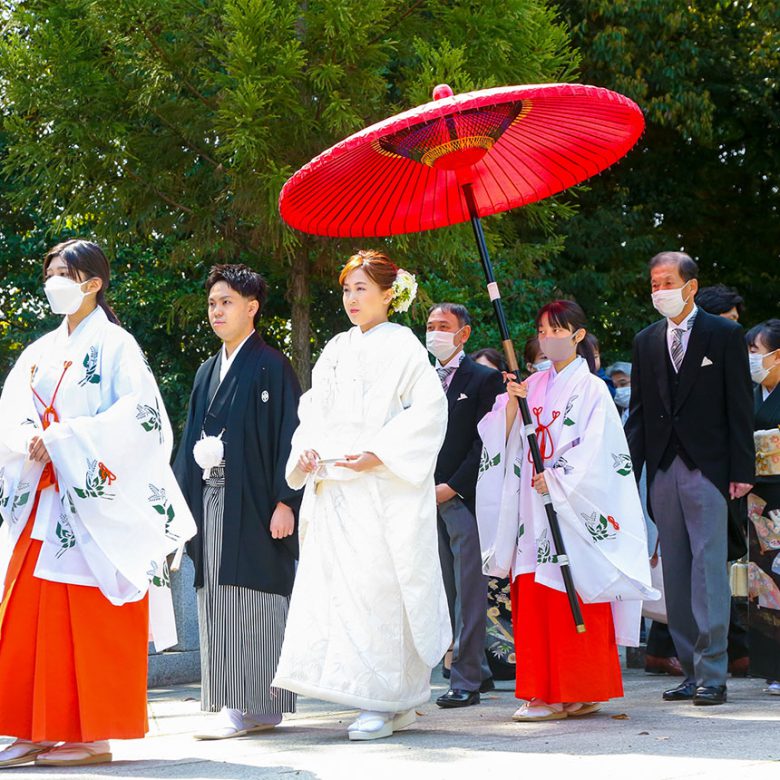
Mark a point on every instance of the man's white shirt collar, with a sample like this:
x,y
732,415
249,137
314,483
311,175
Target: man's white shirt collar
x,y
228,361
454,362
671,325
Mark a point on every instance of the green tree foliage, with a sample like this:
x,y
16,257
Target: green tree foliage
x,y
706,175
166,129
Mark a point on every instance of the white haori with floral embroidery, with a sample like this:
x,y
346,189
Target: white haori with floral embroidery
x,y
591,482
117,512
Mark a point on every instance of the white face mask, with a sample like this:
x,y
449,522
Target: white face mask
x,y
441,344
558,349
542,365
65,296
669,303
757,371
623,396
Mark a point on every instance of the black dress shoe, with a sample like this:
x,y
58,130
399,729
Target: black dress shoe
x,y
445,672
683,692
458,698
487,685
707,696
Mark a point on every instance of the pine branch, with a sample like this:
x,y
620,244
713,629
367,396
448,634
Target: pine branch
x,y
164,56
408,12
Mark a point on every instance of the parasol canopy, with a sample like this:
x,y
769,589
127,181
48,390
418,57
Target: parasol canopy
x,y
514,145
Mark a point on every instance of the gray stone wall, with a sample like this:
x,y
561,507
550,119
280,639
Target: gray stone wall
x,y
180,663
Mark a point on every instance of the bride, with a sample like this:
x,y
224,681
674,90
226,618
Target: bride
x,y
368,618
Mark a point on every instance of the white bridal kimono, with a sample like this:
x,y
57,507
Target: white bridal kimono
x,y
591,482
368,617
118,511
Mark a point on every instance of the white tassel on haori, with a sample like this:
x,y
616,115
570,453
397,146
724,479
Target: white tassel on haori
x,y
209,452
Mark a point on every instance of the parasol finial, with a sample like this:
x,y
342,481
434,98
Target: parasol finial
x,y
441,91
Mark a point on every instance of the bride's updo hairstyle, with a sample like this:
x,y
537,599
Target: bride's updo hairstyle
x,y
377,266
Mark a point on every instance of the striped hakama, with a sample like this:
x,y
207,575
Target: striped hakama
x,y
241,630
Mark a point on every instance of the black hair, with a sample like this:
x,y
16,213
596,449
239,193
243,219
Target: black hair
x,y
685,264
594,343
493,356
243,280
569,315
719,299
531,349
84,257
769,331
460,312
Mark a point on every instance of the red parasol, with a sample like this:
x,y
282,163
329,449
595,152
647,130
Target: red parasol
x,y
462,157
516,145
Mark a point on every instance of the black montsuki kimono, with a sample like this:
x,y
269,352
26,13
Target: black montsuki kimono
x,y
764,623
257,407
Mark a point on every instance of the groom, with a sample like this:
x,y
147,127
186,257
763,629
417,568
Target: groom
x,y
471,390
245,398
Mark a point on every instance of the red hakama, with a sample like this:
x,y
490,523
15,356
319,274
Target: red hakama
x,y
72,665
554,663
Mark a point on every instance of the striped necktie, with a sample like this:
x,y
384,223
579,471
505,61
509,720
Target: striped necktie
x,y
444,372
678,353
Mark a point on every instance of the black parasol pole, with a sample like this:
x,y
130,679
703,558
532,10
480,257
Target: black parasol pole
x,y
530,432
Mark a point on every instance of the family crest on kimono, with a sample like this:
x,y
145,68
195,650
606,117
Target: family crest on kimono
x,y
562,673
231,468
368,618
87,527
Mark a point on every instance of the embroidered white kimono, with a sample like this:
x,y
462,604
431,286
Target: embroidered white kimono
x,y
118,511
368,617
589,475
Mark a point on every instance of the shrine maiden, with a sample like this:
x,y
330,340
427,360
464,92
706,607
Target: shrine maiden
x,y
561,673
90,510
368,618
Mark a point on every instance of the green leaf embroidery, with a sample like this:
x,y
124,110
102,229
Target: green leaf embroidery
x,y
599,526
567,419
65,535
159,501
150,417
622,464
97,478
90,363
486,462
543,550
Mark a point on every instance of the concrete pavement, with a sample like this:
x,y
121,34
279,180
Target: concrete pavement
x,y
638,737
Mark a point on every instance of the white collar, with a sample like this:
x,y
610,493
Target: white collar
x,y
453,362
228,361
576,363
96,317
686,324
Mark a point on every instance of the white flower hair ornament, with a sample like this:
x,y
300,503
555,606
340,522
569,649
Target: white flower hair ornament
x,y
404,291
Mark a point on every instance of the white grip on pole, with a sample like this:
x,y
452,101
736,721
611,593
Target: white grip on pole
x,y
493,291
529,430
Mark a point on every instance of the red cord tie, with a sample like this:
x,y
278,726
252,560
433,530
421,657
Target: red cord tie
x,y
105,473
543,437
48,416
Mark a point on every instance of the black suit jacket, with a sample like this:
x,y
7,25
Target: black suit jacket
x,y
257,406
470,396
712,414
